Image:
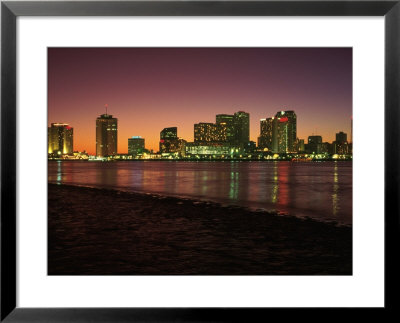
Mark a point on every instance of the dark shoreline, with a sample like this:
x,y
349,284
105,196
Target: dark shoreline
x,y
107,232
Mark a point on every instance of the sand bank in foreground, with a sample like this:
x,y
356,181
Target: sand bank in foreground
x,y
108,232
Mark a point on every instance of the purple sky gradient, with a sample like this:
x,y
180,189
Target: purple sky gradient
x,y
149,89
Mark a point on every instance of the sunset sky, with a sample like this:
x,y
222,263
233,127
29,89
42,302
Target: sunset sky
x,y
149,89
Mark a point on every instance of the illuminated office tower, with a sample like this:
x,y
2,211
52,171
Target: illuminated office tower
x,y
60,139
314,145
241,124
169,133
209,132
106,135
284,132
135,145
226,127
341,146
266,133
220,133
204,132
170,143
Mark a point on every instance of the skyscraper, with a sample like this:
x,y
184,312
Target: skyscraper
x,y
341,137
241,123
285,132
314,145
205,132
60,139
106,135
169,133
170,143
266,133
135,145
341,145
225,122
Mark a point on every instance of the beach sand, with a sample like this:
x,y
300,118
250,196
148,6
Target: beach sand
x,y
108,232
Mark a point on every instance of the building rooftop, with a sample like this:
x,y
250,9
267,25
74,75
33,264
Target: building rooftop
x,y
105,116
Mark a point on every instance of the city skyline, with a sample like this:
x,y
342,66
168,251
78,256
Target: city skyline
x,y
229,135
149,89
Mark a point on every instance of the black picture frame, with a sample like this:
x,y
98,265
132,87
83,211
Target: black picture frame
x,y
10,10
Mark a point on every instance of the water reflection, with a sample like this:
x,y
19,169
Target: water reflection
x,y
275,185
283,186
59,172
335,196
303,189
234,183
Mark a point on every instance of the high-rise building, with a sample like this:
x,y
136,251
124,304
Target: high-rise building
x,y
106,135
341,137
60,139
169,133
284,132
170,143
314,145
241,123
266,133
135,145
204,132
225,122
341,146
209,132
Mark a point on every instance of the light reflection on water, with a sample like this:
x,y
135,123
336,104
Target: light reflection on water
x,y
318,190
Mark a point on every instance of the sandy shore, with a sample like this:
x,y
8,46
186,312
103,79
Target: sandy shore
x,y
108,232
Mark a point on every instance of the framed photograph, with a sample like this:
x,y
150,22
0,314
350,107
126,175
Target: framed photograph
x,y
194,160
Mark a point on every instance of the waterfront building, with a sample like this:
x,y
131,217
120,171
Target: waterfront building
x,y
284,132
314,145
327,148
76,155
106,135
300,147
204,132
60,139
266,133
341,146
170,143
341,137
226,127
241,124
209,132
213,149
233,129
251,147
135,145
173,147
169,133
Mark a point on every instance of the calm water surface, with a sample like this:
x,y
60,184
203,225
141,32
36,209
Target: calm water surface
x,y
320,190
